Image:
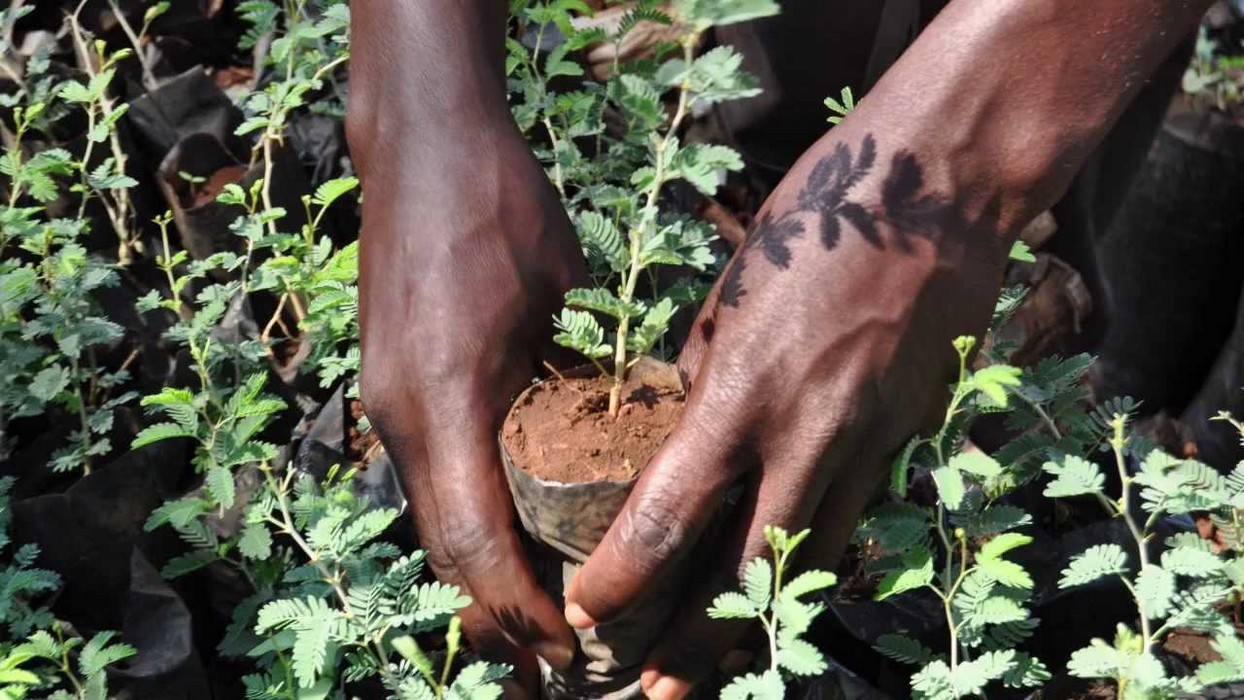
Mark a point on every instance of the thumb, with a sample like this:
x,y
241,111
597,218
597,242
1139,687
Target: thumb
x,y
673,501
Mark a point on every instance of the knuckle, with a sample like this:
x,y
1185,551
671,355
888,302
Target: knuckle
x,y
652,532
469,548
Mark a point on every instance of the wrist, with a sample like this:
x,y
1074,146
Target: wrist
x,y
1003,100
423,73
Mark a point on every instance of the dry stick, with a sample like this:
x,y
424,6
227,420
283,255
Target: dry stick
x,y
149,80
8,41
117,217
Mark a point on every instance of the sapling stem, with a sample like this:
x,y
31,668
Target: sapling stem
x,y
333,578
66,666
1117,441
16,191
640,231
117,210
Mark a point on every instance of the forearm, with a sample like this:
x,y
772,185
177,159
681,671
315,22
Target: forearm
x,y
1001,101
421,67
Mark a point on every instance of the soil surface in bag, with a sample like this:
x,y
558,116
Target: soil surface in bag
x,y
561,430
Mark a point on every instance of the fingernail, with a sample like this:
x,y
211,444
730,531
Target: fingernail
x,y
649,678
578,617
668,688
557,655
735,661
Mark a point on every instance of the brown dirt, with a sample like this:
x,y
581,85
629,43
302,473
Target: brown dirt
x,y
561,430
361,447
1190,646
205,192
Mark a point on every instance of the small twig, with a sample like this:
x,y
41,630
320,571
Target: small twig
x,y
551,368
149,80
266,335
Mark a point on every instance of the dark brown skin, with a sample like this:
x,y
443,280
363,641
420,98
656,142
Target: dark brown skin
x,y
465,255
826,344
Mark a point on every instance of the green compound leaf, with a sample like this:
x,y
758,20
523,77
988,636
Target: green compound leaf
x,y
717,13
995,548
800,658
312,638
1028,672
1008,573
732,606
1191,561
1099,660
98,654
995,519
917,572
764,686
1073,476
1021,252
950,487
900,467
256,542
976,463
993,381
999,610
702,164
808,582
933,682
903,649
758,582
1231,668
841,108
334,189
602,238
604,301
49,382
158,432
656,322
970,677
1094,563
579,331
219,482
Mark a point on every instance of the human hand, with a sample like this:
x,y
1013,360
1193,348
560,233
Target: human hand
x,y
463,262
825,345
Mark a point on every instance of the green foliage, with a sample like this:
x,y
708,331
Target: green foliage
x,y
42,665
353,610
615,195
960,548
1093,563
1184,588
840,109
1214,78
777,603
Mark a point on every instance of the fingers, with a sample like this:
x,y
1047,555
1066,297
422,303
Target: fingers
x,y
697,643
825,494
464,513
490,643
676,495
841,509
